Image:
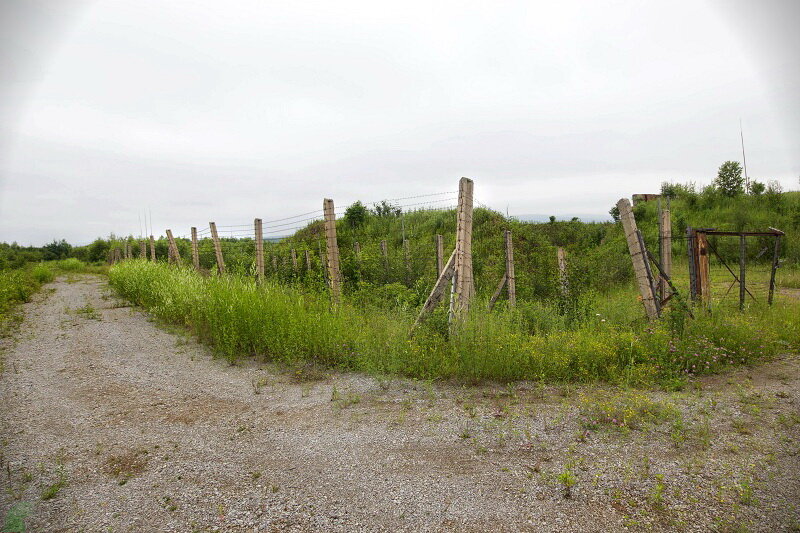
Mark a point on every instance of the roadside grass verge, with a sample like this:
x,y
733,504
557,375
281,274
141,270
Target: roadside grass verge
x,y
287,324
19,285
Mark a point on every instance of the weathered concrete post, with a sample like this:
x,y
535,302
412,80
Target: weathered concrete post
x,y
463,286
332,249
195,250
217,248
637,257
511,286
176,256
258,229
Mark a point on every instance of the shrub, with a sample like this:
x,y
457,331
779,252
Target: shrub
x,y
70,265
42,273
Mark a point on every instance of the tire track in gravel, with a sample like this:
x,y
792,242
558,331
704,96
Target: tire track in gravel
x,y
148,432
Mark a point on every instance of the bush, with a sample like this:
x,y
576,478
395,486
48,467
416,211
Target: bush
x,y
42,273
70,265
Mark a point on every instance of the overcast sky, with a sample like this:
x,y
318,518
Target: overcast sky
x,y
226,111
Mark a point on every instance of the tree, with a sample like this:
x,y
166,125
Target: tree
x,y
356,215
729,179
56,250
386,209
757,188
614,212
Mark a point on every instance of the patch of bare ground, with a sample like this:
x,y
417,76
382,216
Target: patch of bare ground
x,y
111,423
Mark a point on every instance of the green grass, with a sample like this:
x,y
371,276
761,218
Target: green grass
x,y
18,285
14,521
537,341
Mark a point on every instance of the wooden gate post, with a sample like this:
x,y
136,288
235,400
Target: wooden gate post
x,y
332,249
563,277
195,250
308,260
152,248
259,236
439,254
464,286
511,286
176,256
637,257
217,248
665,253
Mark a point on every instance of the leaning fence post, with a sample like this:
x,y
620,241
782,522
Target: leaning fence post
x,y
217,247
258,230
176,256
439,288
463,287
332,248
665,253
152,248
637,257
195,251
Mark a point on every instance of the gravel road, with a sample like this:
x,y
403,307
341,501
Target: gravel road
x,y
110,422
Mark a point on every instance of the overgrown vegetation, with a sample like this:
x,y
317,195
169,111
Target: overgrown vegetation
x,y
17,285
595,330
294,324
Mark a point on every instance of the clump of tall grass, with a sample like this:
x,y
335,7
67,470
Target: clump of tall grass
x,y
42,273
17,286
282,323
70,265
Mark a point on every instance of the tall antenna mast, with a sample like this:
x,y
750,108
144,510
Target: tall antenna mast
x,y
744,159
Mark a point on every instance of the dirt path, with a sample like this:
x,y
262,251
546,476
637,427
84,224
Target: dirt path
x,y
110,423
